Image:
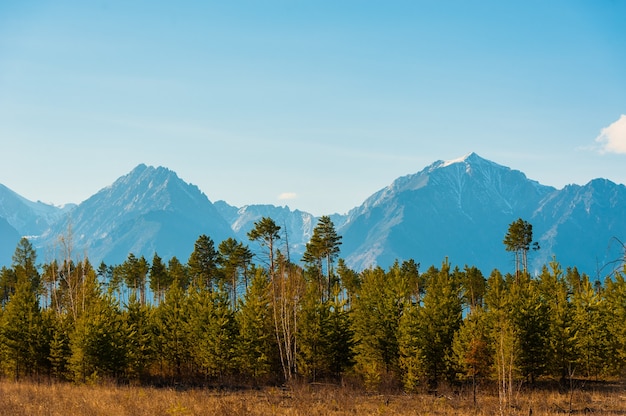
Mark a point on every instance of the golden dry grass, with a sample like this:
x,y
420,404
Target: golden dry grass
x,y
29,398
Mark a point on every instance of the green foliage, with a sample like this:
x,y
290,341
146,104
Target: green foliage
x,y
256,349
215,332
23,334
202,263
323,248
377,310
138,330
97,343
389,326
234,259
518,239
173,335
160,279
266,233
427,332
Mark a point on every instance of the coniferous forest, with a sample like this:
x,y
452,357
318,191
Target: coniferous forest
x,y
228,316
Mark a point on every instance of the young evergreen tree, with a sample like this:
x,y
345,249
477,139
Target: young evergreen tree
x,y
134,272
61,327
138,335
215,332
256,349
427,334
160,279
555,293
25,264
376,311
97,342
472,350
178,273
313,334
8,281
529,316
174,337
22,331
202,263
615,296
592,336
234,259
340,342
350,281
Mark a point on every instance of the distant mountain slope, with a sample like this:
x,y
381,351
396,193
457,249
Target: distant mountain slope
x,y
8,242
459,209
580,224
150,209
27,217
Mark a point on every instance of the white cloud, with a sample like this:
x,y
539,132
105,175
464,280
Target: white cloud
x,y
287,195
612,139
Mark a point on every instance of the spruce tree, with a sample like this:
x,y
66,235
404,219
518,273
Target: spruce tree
x,y
173,332
256,347
202,263
427,332
23,331
97,342
160,279
138,333
214,330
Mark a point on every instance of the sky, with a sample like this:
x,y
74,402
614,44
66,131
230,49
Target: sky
x,y
311,104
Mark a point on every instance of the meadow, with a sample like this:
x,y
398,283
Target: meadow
x,y
44,398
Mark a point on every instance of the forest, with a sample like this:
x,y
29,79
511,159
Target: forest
x,y
231,317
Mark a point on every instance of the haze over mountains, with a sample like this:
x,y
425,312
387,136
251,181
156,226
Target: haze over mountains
x,y
459,209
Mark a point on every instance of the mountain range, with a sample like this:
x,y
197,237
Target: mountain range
x,y
458,209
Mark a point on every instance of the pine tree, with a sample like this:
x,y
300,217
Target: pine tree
x,y
256,349
529,315
173,334
234,259
376,312
323,248
138,331
25,265
8,281
60,352
178,273
134,272
97,342
202,263
615,295
313,334
472,350
266,233
592,337
23,331
555,293
160,279
214,330
519,239
428,332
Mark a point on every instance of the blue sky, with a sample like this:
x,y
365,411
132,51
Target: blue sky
x,y
311,104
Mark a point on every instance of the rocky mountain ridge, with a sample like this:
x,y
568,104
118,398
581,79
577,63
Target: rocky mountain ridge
x,y
458,209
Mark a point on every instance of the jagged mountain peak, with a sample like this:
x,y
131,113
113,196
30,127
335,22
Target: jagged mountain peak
x,y
467,175
149,187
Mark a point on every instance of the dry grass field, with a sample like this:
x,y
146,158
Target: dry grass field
x,y
29,398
